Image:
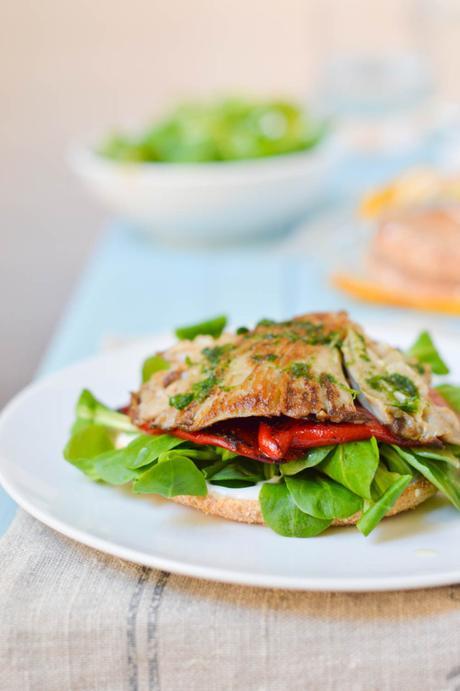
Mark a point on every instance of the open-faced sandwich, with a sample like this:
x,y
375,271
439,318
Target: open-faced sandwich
x,y
300,425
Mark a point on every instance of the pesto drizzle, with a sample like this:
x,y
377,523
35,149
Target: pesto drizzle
x,y
201,389
394,384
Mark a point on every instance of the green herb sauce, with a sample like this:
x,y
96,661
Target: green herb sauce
x,y
268,357
299,369
397,383
181,400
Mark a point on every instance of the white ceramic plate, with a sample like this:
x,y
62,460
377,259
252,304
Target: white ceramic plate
x,y
410,551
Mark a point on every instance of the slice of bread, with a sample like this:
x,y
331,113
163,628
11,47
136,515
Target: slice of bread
x,y
248,510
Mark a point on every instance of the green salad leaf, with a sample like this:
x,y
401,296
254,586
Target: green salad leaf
x,y
201,455
111,467
353,465
445,454
211,327
387,487
90,410
88,442
146,449
442,475
172,477
426,353
93,451
383,480
85,444
281,513
451,394
394,461
270,470
154,363
226,129
321,497
313,458
238,473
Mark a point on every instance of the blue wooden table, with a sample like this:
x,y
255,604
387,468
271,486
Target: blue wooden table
x,y
132,287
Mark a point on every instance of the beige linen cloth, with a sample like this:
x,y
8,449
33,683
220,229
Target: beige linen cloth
x,y
73,618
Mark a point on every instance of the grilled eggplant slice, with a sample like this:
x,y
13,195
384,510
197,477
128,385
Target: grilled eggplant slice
x,y
318,366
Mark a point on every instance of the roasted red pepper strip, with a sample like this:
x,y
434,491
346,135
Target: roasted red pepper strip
x,y
306,436
216,440
275,442
235,444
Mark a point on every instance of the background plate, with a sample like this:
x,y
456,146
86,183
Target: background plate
x,y
413,550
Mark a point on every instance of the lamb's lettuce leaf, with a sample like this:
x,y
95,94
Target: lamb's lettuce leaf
x,y
353,465
387,487
294,467
146,449
242,473
451,394
426,353
154,363
282,515
270,470
92,449
383,480
445,454
321,497
111,467
442,475
88,442
394,461
172,477
91,411
211,327
313,458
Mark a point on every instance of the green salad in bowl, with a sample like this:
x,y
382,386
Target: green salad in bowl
x,y
221,130
228,170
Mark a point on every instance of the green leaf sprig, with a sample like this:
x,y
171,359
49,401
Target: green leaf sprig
x,y
211,327
426,353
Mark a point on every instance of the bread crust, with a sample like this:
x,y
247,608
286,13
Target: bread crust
x,y
248,510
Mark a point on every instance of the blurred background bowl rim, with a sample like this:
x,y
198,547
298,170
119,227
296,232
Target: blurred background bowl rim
x,y
82,156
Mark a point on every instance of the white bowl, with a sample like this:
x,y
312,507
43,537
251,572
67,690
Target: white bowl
x,y
210,202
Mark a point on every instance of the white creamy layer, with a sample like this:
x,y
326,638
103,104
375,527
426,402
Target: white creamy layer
x,y
123,439
238,492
